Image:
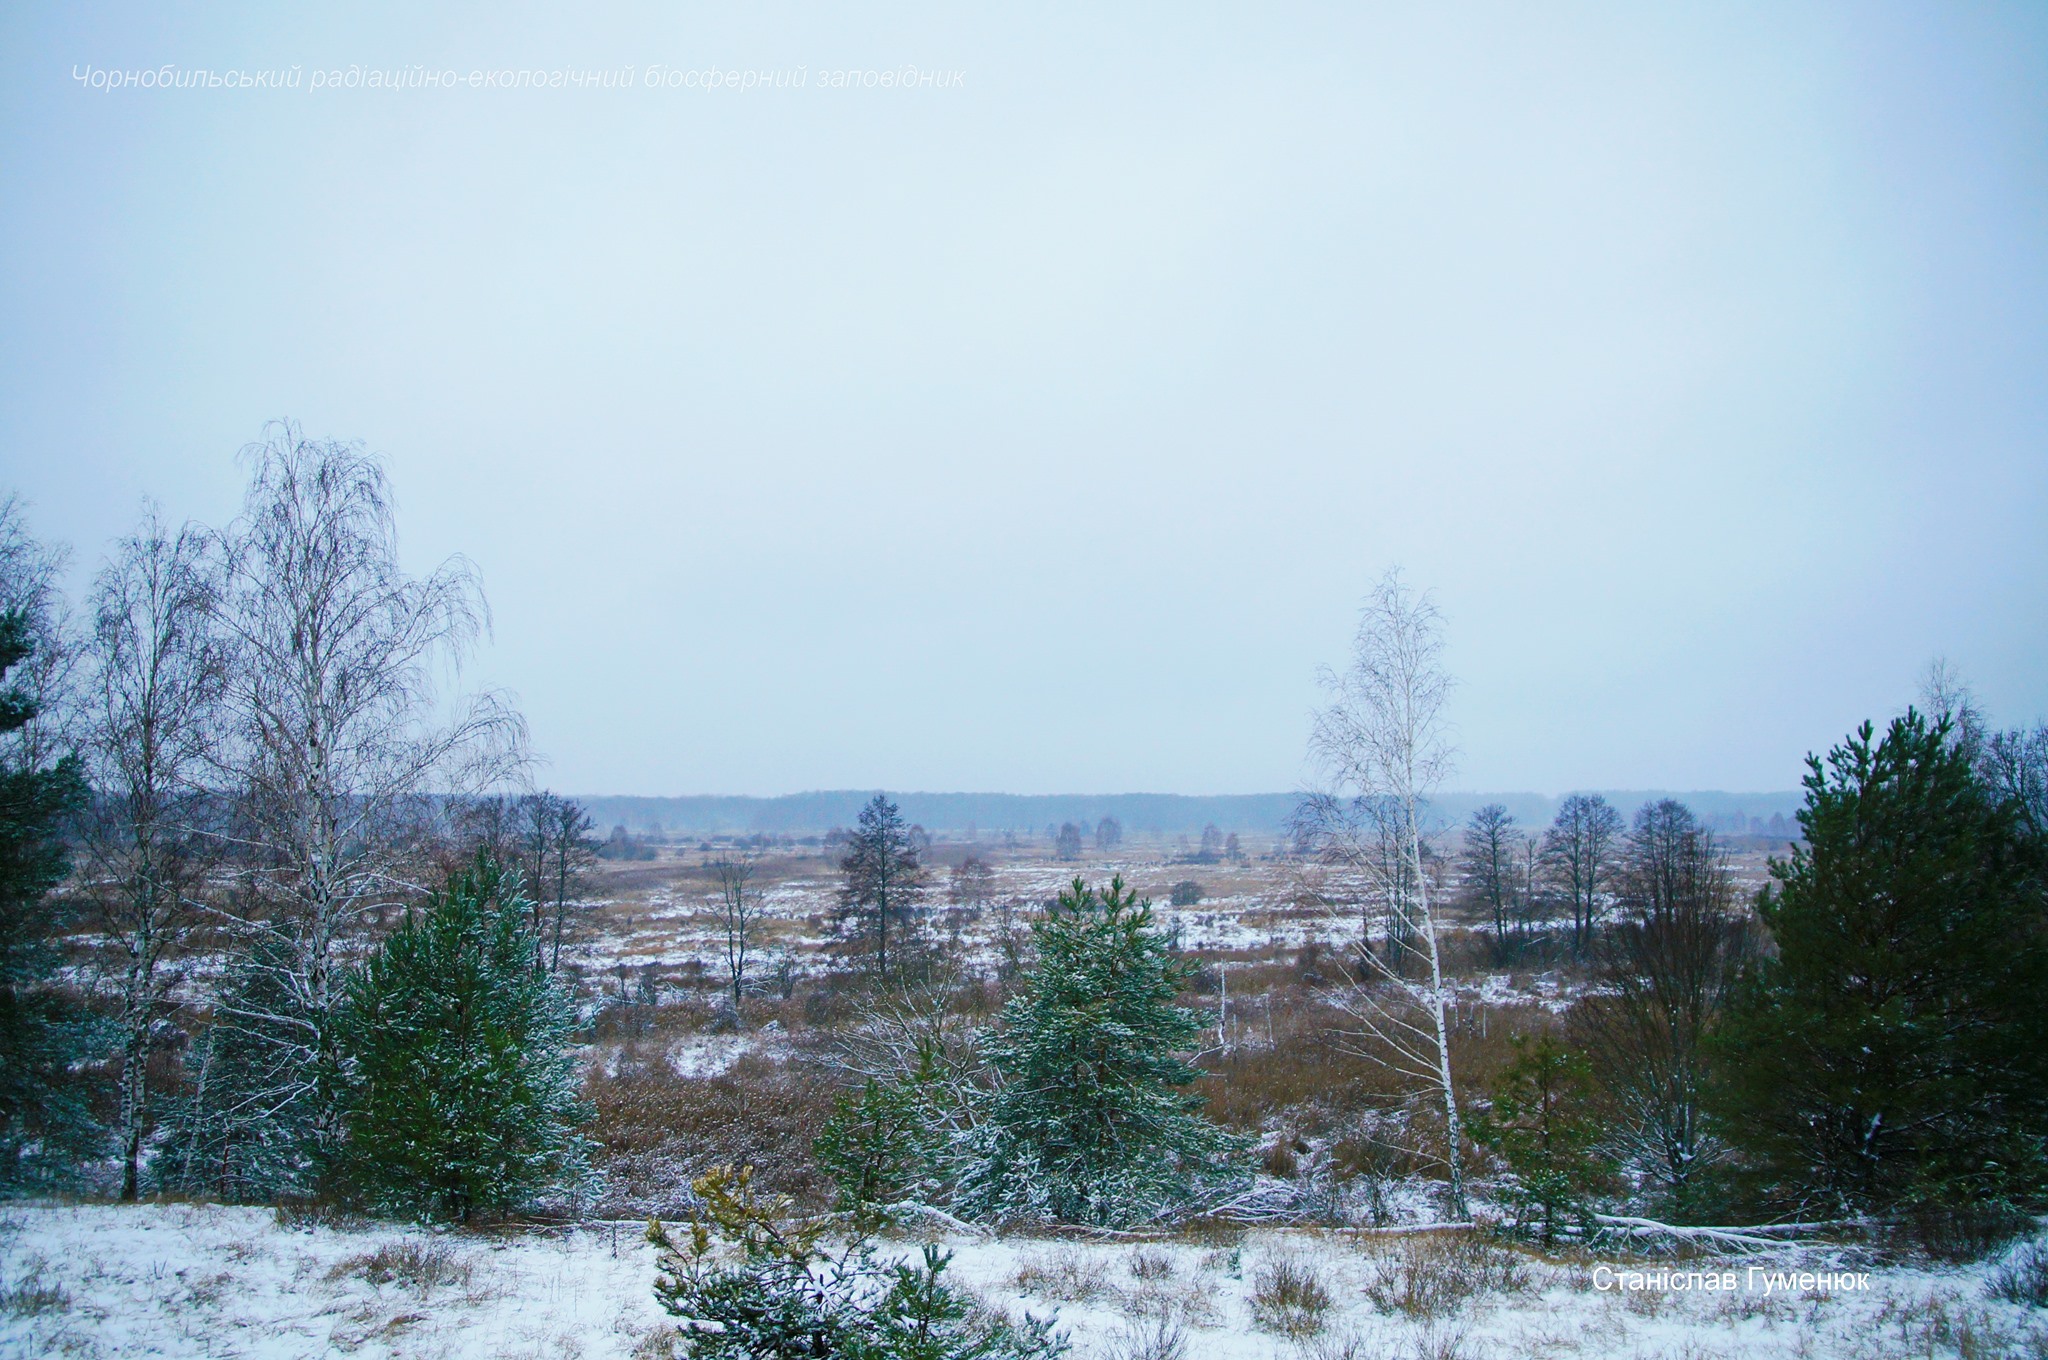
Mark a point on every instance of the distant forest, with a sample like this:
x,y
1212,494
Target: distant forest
x,y
1763,814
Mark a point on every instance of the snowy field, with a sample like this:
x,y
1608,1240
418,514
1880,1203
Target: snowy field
x,y
179,1280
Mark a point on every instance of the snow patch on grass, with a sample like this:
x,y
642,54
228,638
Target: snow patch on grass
x,y
195,1280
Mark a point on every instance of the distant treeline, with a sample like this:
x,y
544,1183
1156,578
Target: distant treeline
x,y
1140,813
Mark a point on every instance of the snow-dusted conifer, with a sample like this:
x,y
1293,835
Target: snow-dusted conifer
x,y
1090,1119
458,1088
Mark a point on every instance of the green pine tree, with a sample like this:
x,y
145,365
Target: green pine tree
x,y
1894,1048
1090,1119
458,1087
46,1124
1543,1125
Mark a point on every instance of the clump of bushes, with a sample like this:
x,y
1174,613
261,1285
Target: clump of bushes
x,y
1431,1275
755,1282
422,1266
2023,1278
1289,1297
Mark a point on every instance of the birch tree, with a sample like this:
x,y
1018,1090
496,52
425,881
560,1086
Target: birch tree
x,y
1383,747
152,704
340,740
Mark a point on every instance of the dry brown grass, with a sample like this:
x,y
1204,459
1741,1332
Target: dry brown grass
x,y
1289,1297
420,1266
656,1131
1431,1275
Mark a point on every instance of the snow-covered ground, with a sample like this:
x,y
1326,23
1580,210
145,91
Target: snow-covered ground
x,y
188,1280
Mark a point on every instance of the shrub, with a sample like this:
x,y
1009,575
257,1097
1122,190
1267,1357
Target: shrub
x,y
1289,1297
417,1265
1146,1264
1430,1275
1159,1338
1186,893
1964,1231
756,1283
2023,1278
1069,1276
656,1132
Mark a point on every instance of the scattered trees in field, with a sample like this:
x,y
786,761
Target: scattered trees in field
x,y
267,774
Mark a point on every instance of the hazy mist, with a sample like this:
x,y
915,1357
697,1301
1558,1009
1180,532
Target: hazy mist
x,y
1041,430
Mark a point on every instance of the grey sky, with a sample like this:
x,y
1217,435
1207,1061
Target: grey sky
x,y
1042,434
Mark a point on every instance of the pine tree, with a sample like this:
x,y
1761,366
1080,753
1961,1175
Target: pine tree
x,y
1090,1119
458,1092
884,879
46,1123
1545,1128
1893,1050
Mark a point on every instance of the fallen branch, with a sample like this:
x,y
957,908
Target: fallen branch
x,y
915,1209
1746,1238
1399,1229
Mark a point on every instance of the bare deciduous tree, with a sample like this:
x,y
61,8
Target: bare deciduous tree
x,y
1579,852
972,885
1945,696
1383,745
1109,834
1666,969
1488,865
2015,764
738,903
156,674
558,848
339,739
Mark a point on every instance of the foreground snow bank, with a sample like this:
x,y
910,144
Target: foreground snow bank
x,y
187,1280
191,1280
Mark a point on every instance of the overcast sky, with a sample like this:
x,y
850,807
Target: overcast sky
x,y
1040,429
